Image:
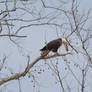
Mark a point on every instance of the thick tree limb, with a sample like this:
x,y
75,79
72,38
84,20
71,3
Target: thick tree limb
x,y
29,66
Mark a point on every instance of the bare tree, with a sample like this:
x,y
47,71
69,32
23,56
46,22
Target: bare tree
x,y
18,18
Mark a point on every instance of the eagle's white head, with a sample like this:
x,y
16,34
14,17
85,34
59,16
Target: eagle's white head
x,y
64,41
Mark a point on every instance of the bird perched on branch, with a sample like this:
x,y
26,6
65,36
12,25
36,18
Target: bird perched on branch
x,y
53,46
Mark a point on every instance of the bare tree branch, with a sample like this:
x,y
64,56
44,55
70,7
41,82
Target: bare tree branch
x,y
18,75
12,35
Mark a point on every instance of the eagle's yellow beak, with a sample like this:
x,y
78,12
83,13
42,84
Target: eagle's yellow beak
x,y
65,43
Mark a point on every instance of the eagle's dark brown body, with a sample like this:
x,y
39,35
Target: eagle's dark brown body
x,y
53,45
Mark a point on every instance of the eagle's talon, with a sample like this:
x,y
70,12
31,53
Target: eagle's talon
x,y
68,52
56,54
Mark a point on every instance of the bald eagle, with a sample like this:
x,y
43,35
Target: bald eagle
x,y
53,46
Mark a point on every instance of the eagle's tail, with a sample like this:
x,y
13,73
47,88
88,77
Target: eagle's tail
x,y
44,53
44,48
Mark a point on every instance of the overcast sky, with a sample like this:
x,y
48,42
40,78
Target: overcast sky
x,y
16,57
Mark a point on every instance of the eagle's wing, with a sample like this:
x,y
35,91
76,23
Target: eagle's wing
x,y
55,44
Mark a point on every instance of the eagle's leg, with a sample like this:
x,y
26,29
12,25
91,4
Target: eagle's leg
x,y
56,54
